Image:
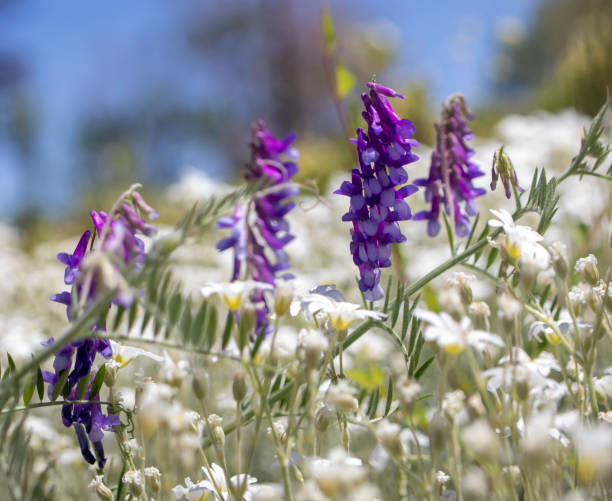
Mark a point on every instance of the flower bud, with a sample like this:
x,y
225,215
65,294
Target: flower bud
x,y
322,417
479,313
110,373
462,282
166,244
283,296
587,267
558,253
521,383
199,384
528,274
408,391
311,346
389,436
239,386
509,310
341,397
502,167
101,490
215,429
153,477
144,207
133,479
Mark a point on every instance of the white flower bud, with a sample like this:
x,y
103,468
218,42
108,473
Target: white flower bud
x,y
153,477
341,397
587,267
239,386
133,479
101,490
389,436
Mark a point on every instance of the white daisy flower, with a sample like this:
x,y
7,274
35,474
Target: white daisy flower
x,y
233,294
522,243
454,336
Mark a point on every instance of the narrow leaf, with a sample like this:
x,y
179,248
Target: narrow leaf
x,y
97,382
59,385
227,331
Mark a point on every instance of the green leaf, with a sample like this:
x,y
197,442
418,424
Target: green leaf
x,y
132,316
449,233
387,294
97,382
399,300
327,30
197,326
174,308
211,326
389,396
29,390
118,317
83,385
345,80
11,362
59,385
40,384
419,372
186,322
260,337
227,331
373,404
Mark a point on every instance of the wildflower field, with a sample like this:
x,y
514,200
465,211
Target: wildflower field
x,y
434,324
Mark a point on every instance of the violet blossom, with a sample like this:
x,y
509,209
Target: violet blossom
x,y
378,188
88,273
451,172
260,231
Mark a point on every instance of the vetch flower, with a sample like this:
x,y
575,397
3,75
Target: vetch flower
x,y
378,188
260,232
451,172
118,249
454,336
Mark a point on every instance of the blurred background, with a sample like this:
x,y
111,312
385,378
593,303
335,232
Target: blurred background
x,y
94,96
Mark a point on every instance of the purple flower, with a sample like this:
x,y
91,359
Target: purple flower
x,y
117,236
451,171
258,237
73,261
377,189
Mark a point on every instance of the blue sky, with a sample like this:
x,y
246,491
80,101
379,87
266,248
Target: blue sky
x,y
68,45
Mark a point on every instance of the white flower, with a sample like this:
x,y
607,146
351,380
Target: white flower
x,y
522,242
123,354
338,475
214,484
454,337
341,314
532,372
233,294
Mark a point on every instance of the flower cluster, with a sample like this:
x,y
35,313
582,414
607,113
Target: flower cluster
x,y
88,273
451,171
258,236
378,188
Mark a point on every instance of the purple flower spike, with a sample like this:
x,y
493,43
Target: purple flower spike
x,y
377,189
451,171
117,235
258,237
